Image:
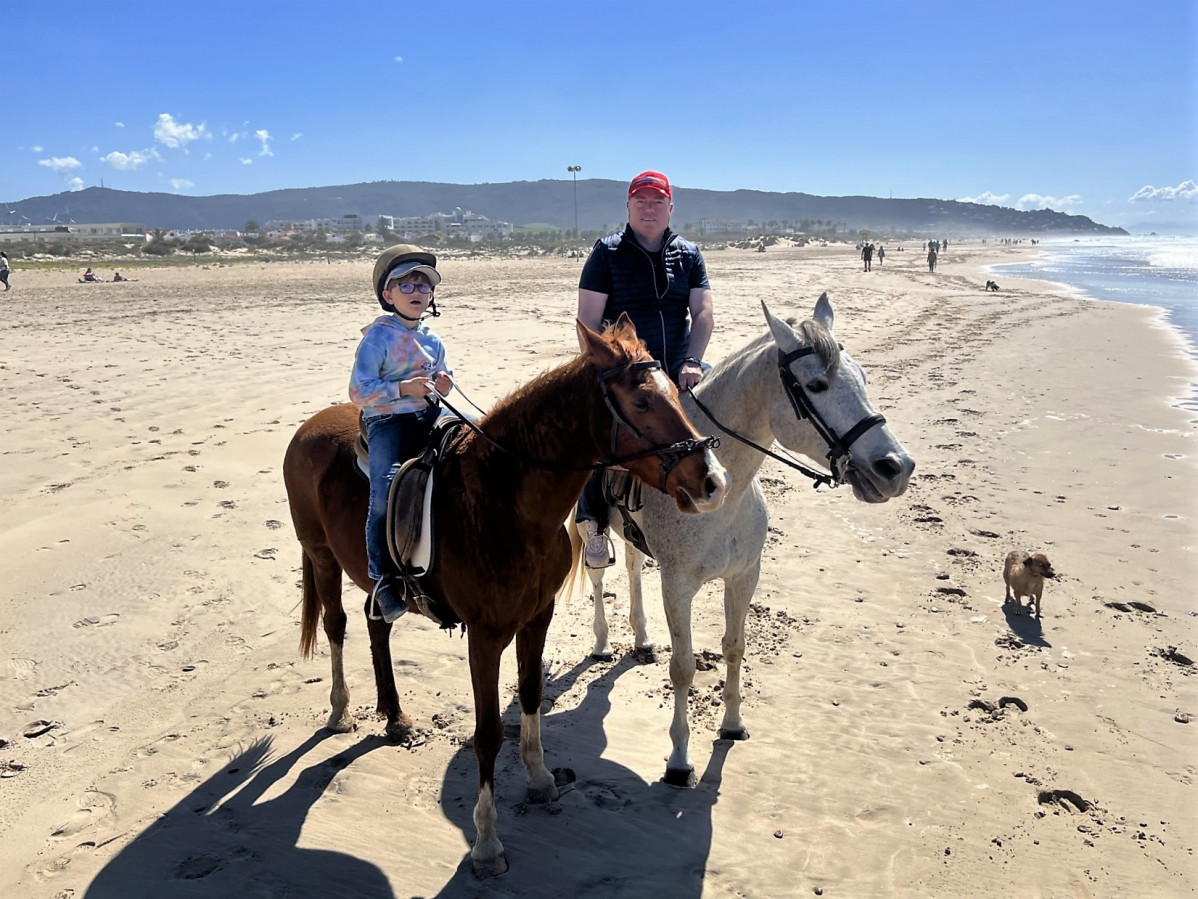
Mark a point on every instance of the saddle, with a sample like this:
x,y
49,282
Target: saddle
x,y
410,525
622,492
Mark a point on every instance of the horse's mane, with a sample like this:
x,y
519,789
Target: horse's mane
x,y
821,340
621,338
824,343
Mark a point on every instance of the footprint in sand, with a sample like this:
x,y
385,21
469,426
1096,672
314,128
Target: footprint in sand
x,y
94,807
39,728
22,669
102,621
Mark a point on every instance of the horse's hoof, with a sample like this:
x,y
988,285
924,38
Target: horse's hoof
x,y
645,655
490,867
400,729
342,724
739,733
543,794
563,776
601,656
680,777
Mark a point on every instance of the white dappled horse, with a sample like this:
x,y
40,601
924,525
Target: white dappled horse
x,y
793,385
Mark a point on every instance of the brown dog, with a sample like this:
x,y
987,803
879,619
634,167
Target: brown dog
x,y
1024,574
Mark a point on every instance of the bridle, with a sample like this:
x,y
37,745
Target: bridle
x,y
671,454
839,458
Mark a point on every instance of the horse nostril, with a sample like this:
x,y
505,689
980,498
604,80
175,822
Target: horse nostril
x,y
710,486
893,467
887,468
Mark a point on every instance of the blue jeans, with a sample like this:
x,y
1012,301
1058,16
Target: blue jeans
x,y
393,439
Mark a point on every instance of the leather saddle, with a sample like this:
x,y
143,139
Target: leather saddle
x,y
410,525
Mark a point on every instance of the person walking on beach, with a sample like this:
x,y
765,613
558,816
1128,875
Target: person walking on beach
x,y
881,255
931,259
660,280
4,269
867,253
398,365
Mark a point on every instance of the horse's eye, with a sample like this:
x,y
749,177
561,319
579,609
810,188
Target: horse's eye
x,y
817,386
641,405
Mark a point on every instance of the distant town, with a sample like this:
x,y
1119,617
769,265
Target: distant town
x,y
349,228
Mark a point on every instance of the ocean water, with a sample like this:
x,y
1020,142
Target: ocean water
x,y
1146,271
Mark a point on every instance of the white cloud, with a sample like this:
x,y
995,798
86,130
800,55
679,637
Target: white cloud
x,y
986,199
130,161
61,164
245,160
236,136
399,59
178,184
263,135
75,183
119,124
37,149
178,134
1040,201
297,135
1187,192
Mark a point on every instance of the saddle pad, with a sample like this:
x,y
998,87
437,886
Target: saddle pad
x,y
409,514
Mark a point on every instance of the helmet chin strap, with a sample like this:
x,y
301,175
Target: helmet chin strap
x,y
407,318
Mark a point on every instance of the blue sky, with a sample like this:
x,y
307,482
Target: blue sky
x,y
1080,106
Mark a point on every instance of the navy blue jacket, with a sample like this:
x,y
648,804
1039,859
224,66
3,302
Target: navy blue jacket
x,y
653,288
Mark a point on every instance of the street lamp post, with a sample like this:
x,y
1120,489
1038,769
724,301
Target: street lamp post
x,y
574,170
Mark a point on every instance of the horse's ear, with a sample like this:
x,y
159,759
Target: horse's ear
x,y
594,345
823,312
784,335
624,323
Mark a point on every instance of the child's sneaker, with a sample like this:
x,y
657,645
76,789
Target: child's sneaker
x,y
600,553
388,600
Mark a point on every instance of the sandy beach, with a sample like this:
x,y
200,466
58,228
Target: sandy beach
x,y
161,736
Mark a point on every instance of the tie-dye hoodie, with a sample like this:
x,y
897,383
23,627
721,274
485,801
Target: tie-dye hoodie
x,y
391,352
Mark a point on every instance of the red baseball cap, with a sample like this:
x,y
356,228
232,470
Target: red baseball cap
x,y
651,181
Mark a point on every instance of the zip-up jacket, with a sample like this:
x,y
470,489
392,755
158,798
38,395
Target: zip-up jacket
x,y
653,288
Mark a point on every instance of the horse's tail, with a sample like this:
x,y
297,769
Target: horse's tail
x,y
570,584
310,614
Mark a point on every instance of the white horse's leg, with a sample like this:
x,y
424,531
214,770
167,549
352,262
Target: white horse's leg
x,y
643,649
541,786
602,650
340,720
677,599
737,593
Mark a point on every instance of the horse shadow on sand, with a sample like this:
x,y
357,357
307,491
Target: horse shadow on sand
x,y
221,841
610,833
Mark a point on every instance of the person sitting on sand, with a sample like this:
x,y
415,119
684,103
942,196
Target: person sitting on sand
x,y
116,276
88,275
398,365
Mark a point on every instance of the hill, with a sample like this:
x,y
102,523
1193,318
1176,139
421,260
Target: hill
x,y
600,207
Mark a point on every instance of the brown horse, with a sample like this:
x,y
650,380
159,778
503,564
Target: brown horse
x,y
505,555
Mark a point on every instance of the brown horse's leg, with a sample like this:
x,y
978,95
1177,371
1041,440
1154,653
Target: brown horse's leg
x,y
485,651
325,576
399,725
530,647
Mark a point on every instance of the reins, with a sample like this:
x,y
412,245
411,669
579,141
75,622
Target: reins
x,y
818,478
838,447
671,454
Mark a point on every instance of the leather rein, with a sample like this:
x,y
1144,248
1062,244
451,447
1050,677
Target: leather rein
x,y
839,458
670,454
